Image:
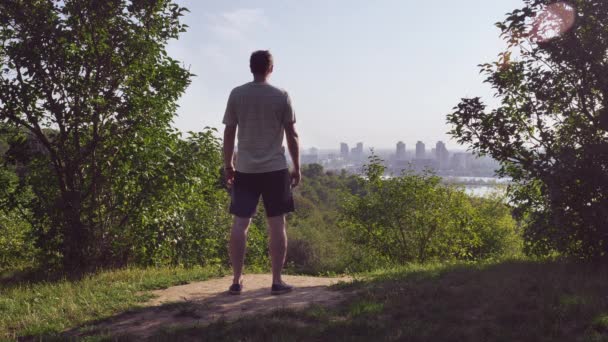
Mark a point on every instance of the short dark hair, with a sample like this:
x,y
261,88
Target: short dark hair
x,y
260,61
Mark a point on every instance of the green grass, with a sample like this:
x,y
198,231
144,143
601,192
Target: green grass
x,y
48,308
509,301
520,300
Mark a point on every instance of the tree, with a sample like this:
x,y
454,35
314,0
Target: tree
x,y
96,73
550,130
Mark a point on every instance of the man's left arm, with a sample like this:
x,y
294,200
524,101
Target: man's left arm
x,y
293,144
293,141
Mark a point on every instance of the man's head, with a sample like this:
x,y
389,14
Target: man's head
x,y
261,63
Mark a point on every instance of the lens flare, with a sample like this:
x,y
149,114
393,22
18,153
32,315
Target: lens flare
x,y
553,21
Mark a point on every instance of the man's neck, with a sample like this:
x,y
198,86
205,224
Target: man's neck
x,y
259,78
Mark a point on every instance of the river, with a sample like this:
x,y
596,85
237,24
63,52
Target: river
x,y
480,186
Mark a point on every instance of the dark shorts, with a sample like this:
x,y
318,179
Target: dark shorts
x,y
275,188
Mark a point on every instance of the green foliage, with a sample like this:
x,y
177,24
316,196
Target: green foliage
x,y
257,257
50,308
317,245
414,217
171,203
3,145
16,244
93,91
496,227
348,223
550,130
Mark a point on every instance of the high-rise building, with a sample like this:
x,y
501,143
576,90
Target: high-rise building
x,y
360,148
400,154
357,152
344,150
441,153
420,150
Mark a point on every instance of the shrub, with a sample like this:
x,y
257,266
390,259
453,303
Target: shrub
x,y
17,249
414,217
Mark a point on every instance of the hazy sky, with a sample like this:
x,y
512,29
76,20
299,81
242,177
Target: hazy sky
x,y
370,71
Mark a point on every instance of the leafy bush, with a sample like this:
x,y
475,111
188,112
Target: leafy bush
x,y
171,203
414,217
166,206
316,243
496,227
17,249
346,223
257,257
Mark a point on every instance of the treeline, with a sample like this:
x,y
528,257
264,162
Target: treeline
x,y
342,222
165,206
346,222
94,175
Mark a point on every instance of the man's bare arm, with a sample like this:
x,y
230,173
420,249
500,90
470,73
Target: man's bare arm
x,y
229,137
293,144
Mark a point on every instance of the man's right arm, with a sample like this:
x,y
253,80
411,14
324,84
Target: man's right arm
x,y
229,138
231,122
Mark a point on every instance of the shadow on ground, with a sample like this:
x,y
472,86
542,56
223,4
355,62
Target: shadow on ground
x,y
508,301
205,302
513,301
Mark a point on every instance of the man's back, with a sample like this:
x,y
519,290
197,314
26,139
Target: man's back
x,y
262,114
260,111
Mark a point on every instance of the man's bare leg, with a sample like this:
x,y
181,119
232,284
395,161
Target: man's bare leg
x,y
278,246
238,242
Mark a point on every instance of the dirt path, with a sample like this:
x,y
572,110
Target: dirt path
x,y
207,301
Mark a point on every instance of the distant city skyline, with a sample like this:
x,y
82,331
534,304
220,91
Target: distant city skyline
x,y
444,162
401,144
357,71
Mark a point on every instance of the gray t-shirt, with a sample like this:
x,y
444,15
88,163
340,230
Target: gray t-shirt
x,y
260,112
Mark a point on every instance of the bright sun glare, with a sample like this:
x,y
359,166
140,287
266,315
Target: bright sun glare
x,y
555,20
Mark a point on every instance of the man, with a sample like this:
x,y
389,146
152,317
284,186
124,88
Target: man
x,y
263,115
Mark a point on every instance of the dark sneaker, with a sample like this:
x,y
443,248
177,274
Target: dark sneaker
x,y
235,289
279,289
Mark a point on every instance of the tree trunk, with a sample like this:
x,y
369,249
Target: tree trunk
x,y
75,244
